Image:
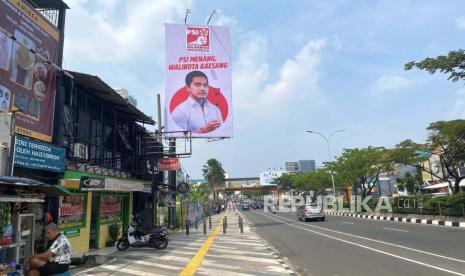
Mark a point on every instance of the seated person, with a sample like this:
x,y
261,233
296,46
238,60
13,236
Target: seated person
x,y
55,259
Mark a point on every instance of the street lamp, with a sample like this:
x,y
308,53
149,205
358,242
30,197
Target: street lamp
x,y
327,139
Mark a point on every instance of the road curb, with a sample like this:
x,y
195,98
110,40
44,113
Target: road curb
x,y
401,219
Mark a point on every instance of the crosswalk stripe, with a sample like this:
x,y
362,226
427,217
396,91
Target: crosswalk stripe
x,y
129,270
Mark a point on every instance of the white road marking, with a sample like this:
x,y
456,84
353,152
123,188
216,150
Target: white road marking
x,y
393,229
366,247
129,270
346,222
378,241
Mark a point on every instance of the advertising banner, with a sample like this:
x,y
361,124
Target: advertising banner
x,y
37,155
72,212
198,87
168,164
267,178
27,82
110,209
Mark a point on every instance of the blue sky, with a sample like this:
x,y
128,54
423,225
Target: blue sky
x,y
297,65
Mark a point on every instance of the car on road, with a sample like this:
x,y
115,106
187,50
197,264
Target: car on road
x,y
245,207
310,211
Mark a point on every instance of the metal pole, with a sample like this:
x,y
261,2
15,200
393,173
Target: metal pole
x,y
159,136
210,222
204,226
187,227
172,189
241,224
329,160
224,225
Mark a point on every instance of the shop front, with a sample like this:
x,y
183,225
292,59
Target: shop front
x,y
101,207
23,214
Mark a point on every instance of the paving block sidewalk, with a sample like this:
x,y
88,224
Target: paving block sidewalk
x,y
232,253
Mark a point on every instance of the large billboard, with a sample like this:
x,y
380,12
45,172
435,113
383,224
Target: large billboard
x,y
27,82
198,88
267,178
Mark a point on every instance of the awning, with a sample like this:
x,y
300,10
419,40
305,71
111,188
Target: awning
x,y
20,199
436,186
32,185
104,92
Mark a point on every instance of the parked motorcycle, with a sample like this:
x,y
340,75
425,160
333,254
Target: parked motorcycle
x,y
132,237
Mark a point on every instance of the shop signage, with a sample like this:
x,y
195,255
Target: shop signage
x,y
33,154
72,211
113,184
74,232
88,183
168,164
110,184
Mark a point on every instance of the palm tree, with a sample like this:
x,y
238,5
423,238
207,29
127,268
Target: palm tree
x,y
214,174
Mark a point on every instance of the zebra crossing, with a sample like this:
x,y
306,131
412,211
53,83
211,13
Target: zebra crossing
x,y
232,254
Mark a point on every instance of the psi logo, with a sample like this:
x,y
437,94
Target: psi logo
x,y
198,39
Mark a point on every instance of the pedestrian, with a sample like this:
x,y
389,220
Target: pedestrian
x,y
55,259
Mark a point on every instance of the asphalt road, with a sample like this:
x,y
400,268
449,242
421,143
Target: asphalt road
x,y
353,246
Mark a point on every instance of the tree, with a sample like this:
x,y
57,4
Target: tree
x,y
362,167
285,181
409,182
317,182
453,64
447,140
214,174
199,192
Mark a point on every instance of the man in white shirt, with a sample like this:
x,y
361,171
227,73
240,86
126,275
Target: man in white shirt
x,y
197,114
57,257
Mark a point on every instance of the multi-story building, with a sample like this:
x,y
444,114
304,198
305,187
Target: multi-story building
x,y
306,166
291,167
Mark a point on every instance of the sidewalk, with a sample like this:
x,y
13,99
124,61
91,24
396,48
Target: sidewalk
x,y
216,253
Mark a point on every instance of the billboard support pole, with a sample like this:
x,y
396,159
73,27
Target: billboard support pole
x,y
155,184
172,188
159,136
211,15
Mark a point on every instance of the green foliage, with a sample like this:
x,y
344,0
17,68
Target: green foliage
x,y
199,192
453,205
409,182
214,174
285,181
453,65
113,232
361,167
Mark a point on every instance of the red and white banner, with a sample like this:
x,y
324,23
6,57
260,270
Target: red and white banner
x,y
168,164
198,88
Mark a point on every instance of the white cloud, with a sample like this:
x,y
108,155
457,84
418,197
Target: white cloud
x,y
297,78
136,35
458,110
223,20
460,22
389,83
337,42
